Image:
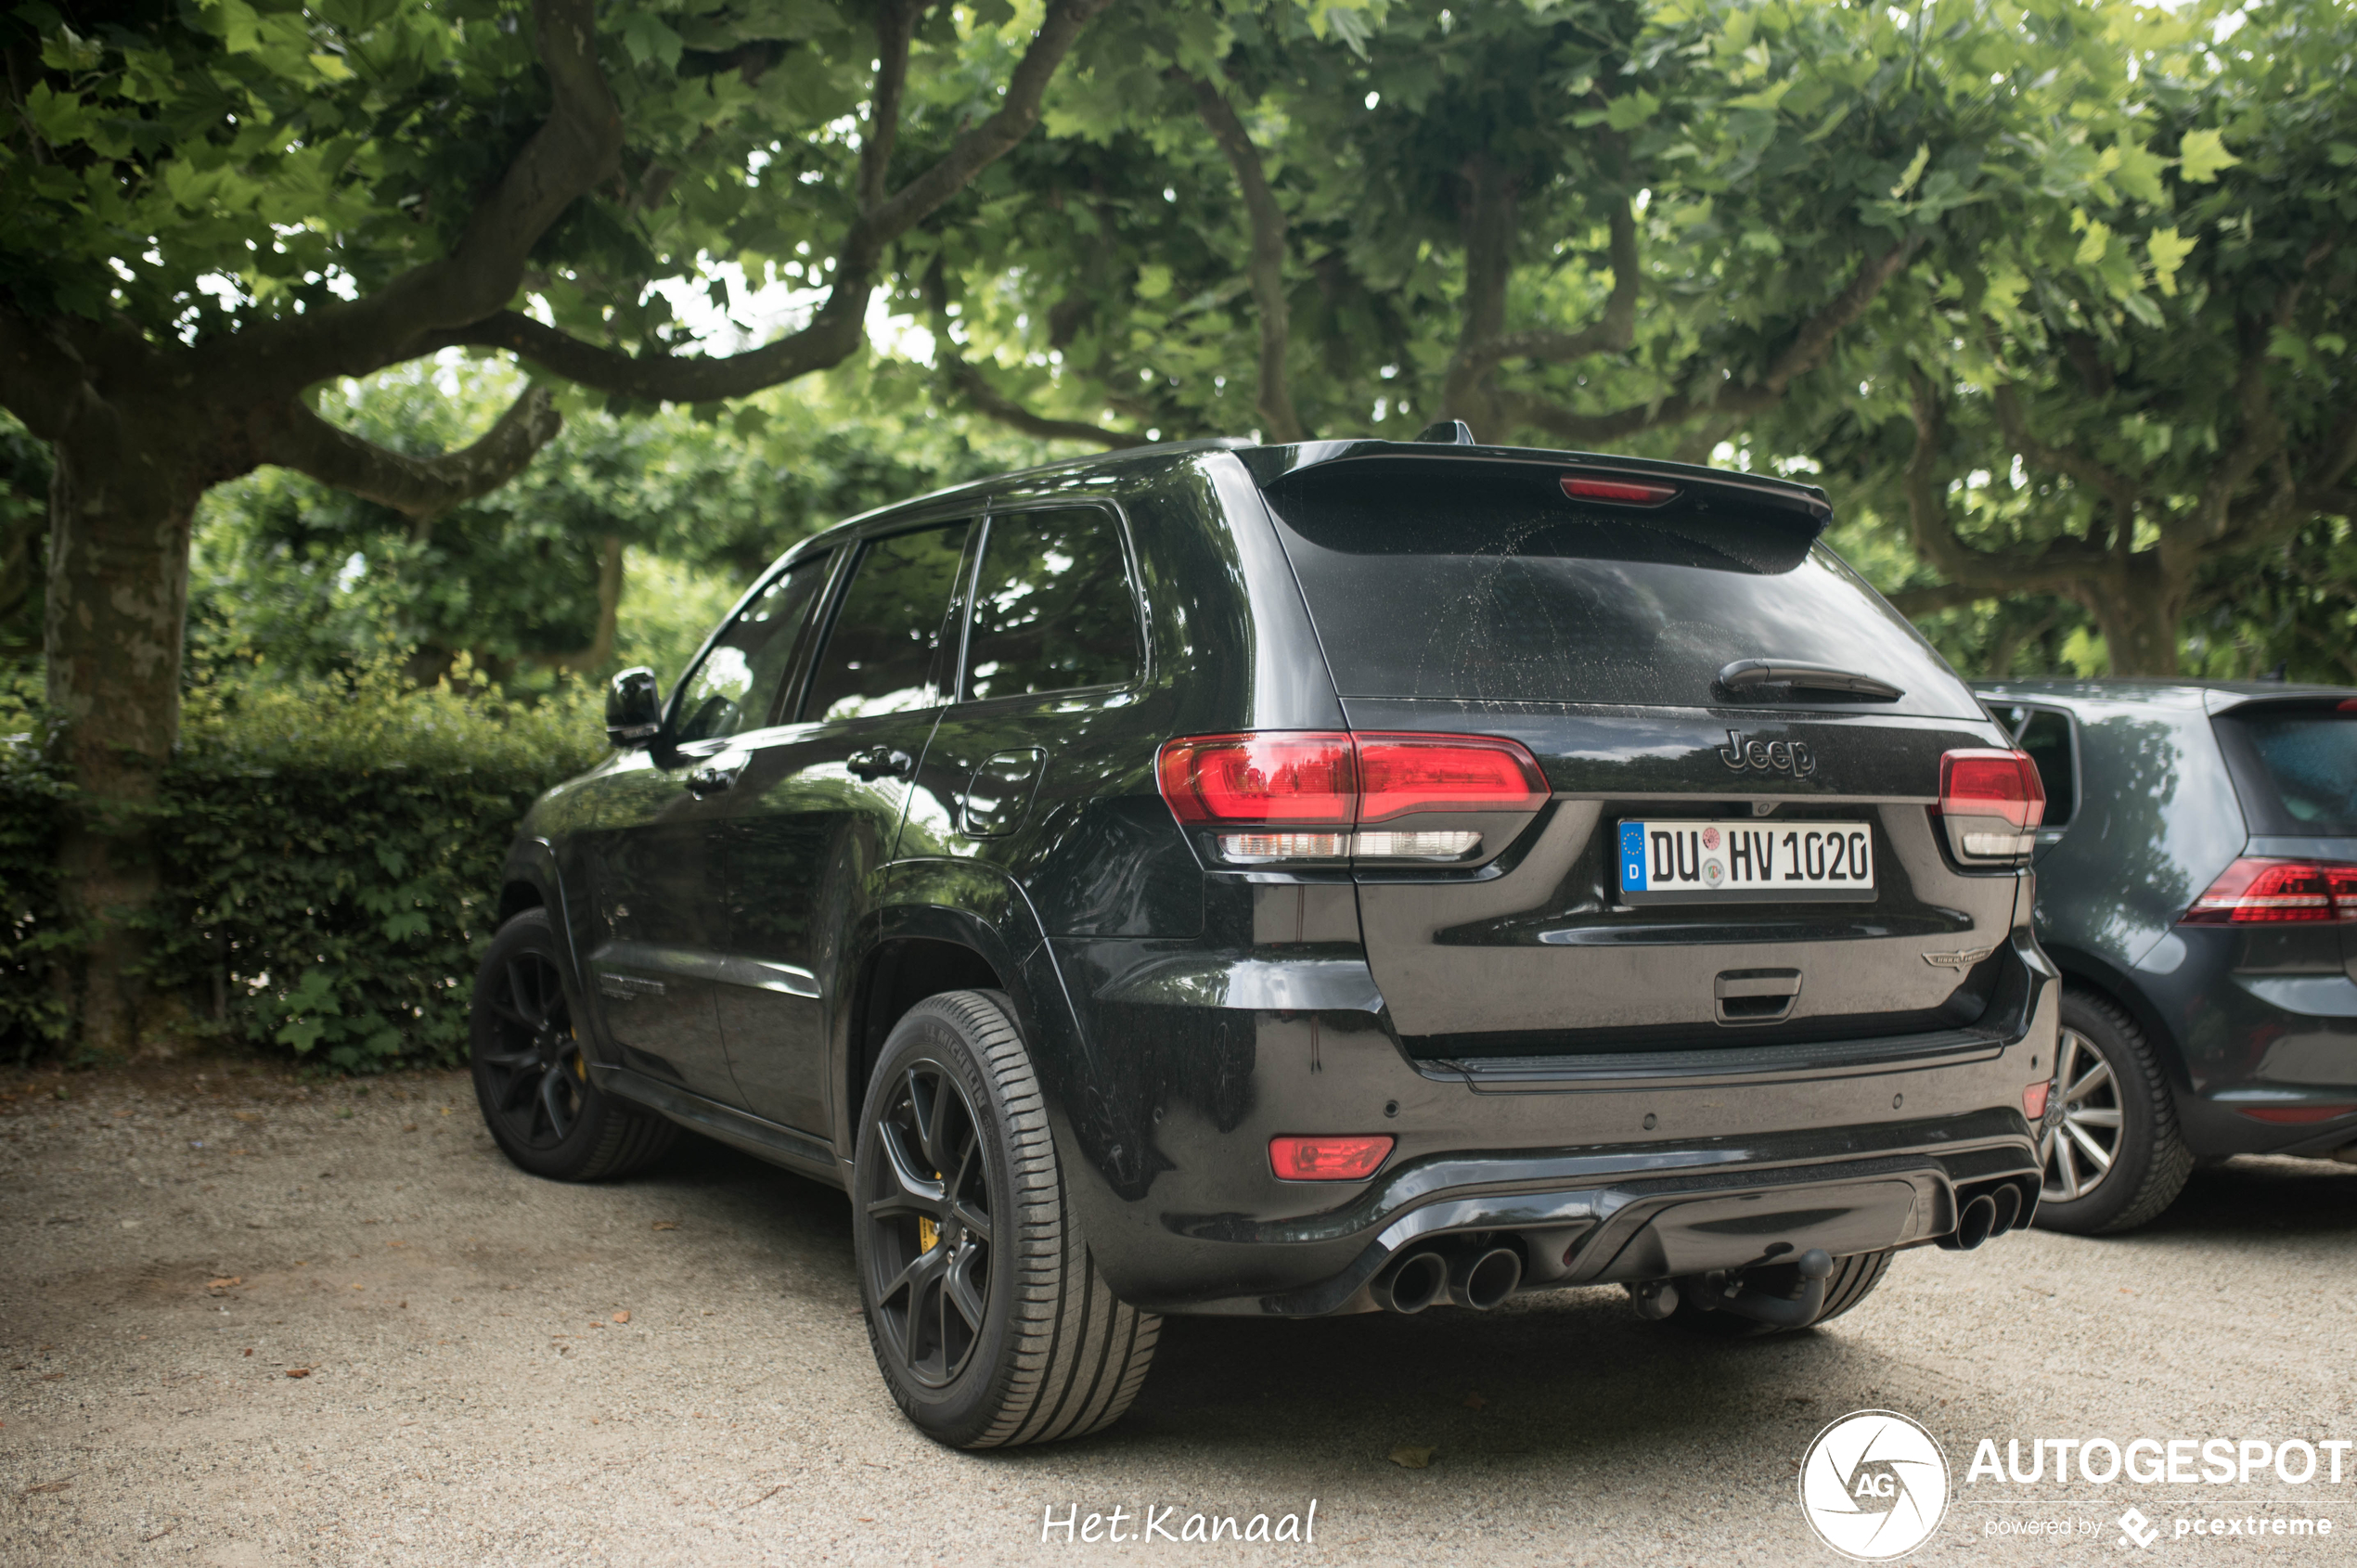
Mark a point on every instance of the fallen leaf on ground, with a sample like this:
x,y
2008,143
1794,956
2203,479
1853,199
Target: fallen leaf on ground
x,y
1408,1457
49,1486
225,1283
1475,1401
298,1371
622,1316
666,1225
247,1115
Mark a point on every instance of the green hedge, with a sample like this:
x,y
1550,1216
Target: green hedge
x,y
331,855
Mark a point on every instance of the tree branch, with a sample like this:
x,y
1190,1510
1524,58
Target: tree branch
x,y
976,391
838,328
1489,215
575,148
978,147
1911,602
1612,332
2058,565
417,487
39,374
1803,354
895,27
1267,269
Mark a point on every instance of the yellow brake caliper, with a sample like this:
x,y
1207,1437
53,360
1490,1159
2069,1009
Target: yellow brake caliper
x,y
928,1232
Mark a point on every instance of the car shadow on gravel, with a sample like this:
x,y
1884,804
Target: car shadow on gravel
x,y
2257,1199
1569,1376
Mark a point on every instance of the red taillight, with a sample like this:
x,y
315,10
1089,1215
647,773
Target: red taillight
x,y
1288,780
1304,776
1399,774
1327,1159
1627,491
1992,784
1991,802
2258,891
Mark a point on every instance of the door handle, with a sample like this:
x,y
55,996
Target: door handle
x,y
879,761
704,781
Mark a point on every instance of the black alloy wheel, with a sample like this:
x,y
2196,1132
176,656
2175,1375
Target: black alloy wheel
x,y
990,1321
928,1207
530,1076
539,1081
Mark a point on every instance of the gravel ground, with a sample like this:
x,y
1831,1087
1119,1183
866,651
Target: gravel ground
x,y
246,1321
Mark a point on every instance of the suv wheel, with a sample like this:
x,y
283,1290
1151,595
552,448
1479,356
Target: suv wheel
x,y
1852,1281
2112,1153
531,1078
986,1312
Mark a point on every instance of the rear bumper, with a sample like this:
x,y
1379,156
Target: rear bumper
x,y
1596,1169
1592,1217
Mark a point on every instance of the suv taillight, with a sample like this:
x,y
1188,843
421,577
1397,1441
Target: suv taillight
x,y
1991,802
2258,891
1309,794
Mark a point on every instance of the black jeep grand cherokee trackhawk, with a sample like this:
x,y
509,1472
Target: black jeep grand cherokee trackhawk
x,y
1299,879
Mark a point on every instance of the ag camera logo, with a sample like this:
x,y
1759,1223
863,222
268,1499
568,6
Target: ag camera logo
x,y
1874,1485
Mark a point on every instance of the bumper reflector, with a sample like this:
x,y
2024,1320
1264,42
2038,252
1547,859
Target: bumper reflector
x,y
2294,1115
2034,1102
1327,1159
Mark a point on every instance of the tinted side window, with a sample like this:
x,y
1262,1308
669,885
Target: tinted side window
x,y
879,657
736,687
1053,607
2046,736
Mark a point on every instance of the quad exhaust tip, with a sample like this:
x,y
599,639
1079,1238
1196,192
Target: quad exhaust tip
x,y
1479,1277
1483,1280
1412,1283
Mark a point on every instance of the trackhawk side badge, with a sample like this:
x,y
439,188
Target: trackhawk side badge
x,y
1959,960
1768,756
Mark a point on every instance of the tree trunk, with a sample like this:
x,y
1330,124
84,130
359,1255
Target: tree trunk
x,y
120,501
2137,609
1487,205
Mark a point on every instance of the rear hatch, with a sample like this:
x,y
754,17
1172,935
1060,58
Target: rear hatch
x,y
1741,740
2294,761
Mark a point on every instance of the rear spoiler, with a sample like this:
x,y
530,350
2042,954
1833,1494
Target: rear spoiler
x,y
1268,465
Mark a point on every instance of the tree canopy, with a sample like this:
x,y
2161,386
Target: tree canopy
x,y
2049,292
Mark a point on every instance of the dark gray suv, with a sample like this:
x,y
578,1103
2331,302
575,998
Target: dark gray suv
x,y
2198,887
1301,879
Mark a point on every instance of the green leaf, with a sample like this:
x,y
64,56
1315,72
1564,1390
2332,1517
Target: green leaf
x,y
2168,252
2201,155
1767,97
1913,172
1154,281
2136,170
649,39
1630,110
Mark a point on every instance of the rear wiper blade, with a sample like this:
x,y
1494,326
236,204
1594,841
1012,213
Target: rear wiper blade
x,y
1745,673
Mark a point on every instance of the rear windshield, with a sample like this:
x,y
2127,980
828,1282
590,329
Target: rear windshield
x,y
2306,772
1487,582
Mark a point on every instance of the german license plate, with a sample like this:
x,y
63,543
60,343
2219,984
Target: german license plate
x,y
1665,862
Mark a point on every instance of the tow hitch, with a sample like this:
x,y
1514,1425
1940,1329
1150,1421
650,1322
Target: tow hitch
x,y
1787,1294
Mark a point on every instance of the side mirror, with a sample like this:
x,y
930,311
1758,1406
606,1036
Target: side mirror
x,y
634,708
